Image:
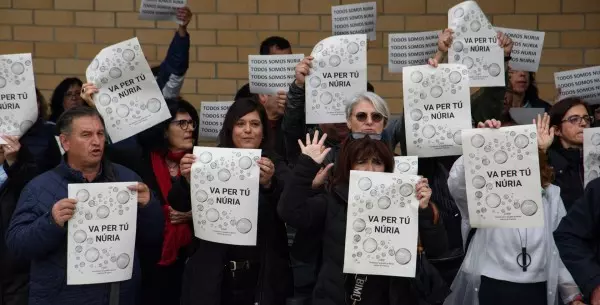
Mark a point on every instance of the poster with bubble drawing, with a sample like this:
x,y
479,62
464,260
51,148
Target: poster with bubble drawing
x,y
338,73
475,45
502,177
382,224
224,190
129,99
269,74
438,106
101,234
527,48
18,103
406,165
591,154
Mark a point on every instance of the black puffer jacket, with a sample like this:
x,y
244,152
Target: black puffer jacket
x,y
568,172
326,212
205,270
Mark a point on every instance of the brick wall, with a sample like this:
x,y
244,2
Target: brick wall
x,y
64,35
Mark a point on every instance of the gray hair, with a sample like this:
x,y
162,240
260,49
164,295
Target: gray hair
x,y
64,123
378,103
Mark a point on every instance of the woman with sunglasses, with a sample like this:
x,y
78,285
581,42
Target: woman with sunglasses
x,y
563,142
324,213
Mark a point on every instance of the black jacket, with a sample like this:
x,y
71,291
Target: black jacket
x,y
326,212
205,270
568,172
578,239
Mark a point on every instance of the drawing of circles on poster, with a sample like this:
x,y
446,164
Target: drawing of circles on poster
x,y
596,139
406,190
416,77
416,114
201,196
364,183
478,182
123,260
436,91
326,98
370,245
428,131
212,215
468,61
493,200
82,195
128,55
477,141
457,46
384,202
455,77
243,225
529,207
122,111
92,255
402,256
494,69
153,105
79,236
104,99
123,197
403,167
115,72
102,212
500,157
359,225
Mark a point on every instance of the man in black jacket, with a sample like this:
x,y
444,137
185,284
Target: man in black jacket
x,y
578,239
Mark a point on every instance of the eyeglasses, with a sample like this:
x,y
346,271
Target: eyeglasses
x,y
576,120
185,124
71,94
360,135
376,117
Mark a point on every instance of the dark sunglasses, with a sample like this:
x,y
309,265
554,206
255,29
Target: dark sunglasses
x,y
360,135
576,120
185,124
376,117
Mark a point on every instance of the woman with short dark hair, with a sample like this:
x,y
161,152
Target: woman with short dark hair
x,y
65,96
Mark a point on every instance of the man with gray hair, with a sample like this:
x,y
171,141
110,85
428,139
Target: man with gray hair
x,y
38,230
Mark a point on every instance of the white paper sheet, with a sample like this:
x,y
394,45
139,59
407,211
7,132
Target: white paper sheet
x,y
129,99
438,105
359,18
102,232
161,9
271,73
338,73
525,116
475,45
382,224
224,192
591,154
502,176
18,103
582,83
406,165
527,48
411,49
212,115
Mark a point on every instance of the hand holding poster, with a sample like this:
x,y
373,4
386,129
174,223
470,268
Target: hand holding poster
x,y
527,49
212,115
339,71
406,165
437,107
411,49
160,9
582,83
475,45
271,73
18,102
359,18
224,190
129,99
101,234
502,176
591,154
382,224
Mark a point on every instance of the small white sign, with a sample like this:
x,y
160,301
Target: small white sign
x,y
591,154
527,49
269,74
582,83
212,115
359,18
161,10
411,49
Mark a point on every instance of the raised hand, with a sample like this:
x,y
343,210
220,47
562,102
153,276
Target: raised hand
x,y
267,169
143,193
11,149
281,98
185,165
490,124
321,176
184,15
506,43
87,93
545,133
423,193
315,148
302,70
63,210
445,40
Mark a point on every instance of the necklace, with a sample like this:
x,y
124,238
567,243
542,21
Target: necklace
x,y
523,258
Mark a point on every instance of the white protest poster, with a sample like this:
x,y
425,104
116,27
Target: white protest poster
x,y
212,115
383,224
271,73
129,99
18,103
411,49
160,9
406,165
224,190
591,154
527,48
338,73
438,107
475,45
582,83
101,234
359,18
502,176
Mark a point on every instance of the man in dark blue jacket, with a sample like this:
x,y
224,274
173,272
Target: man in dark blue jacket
x,y
38,233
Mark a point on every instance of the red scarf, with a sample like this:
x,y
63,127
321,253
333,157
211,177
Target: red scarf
x,y
175,235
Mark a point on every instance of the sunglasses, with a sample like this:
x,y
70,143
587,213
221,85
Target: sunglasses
x,y
360,135
185,124
376,117
576,120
